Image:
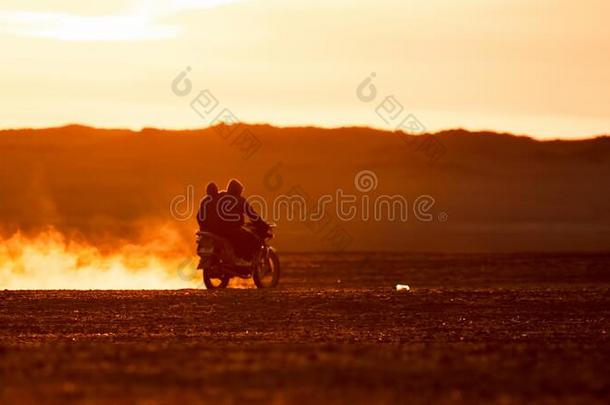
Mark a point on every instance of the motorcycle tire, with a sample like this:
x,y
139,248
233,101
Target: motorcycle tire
x,y
209,281
259,277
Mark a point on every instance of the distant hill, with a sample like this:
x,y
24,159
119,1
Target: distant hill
x,y
492,192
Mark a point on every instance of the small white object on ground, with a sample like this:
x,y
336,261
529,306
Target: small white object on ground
x,y
402,287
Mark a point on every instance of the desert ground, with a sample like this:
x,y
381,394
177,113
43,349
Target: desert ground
x,y
492,328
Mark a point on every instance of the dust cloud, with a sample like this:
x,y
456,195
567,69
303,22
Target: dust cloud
x,y
50,260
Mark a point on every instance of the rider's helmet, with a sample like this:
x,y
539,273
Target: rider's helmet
x,y
235,188
211,189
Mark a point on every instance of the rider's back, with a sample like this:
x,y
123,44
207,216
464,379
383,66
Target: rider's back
x,y
208,215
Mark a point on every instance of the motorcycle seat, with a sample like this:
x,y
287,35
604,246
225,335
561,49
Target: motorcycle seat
x,y
208,242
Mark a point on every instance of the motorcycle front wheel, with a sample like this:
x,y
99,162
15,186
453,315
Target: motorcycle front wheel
x,y
267,273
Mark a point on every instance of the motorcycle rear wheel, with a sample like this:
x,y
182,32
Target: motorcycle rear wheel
x,y
214,283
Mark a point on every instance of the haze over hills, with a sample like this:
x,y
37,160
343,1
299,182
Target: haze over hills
x,y
492,192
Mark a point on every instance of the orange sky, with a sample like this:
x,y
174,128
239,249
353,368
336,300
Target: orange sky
x,y
540,68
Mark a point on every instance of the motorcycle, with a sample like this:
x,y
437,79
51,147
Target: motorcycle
x,y
219,262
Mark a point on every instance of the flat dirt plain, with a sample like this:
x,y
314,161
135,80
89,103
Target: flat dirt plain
x,y
474,328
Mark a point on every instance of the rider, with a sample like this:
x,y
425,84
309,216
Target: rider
x,y
207,217
232,209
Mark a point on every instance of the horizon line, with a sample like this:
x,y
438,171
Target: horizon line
x,y
312,126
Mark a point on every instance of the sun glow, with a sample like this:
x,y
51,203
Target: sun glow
x,y
84,28
503,65
140,21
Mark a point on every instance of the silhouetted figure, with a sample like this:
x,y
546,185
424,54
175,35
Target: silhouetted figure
x,y
207,216
232,210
